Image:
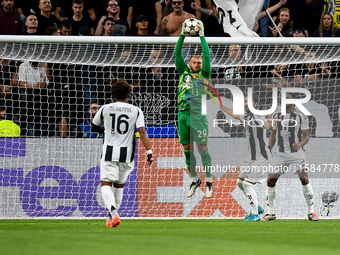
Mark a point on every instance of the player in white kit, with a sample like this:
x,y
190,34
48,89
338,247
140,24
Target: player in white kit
x,y
291,133
252,171
120,120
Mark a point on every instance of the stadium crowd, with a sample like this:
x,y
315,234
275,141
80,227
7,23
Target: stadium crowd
x,y
53,99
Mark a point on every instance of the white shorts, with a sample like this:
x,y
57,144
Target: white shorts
x,y
284,162
253,171
118,172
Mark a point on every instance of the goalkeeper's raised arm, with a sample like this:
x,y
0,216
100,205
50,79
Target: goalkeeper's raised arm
x,y
179,59
206,66
180,64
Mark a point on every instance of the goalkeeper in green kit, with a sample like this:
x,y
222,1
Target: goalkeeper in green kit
x,y
192,125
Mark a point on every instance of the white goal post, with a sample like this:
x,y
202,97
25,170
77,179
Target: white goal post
x,y
44,175
45,48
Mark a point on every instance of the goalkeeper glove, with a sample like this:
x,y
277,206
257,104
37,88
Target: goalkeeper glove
x,y
200,28
183,32
150,159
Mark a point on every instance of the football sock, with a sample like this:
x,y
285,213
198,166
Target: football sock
x,y
270,199
240,185
206,160
190,160
209,179
118,192
251,196
194,179
309,196
109,199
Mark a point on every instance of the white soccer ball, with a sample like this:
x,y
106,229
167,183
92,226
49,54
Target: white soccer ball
x,y
191,26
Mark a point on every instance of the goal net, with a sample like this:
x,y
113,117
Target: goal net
x,y
52,86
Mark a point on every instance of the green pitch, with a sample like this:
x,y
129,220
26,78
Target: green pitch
x,y
163,237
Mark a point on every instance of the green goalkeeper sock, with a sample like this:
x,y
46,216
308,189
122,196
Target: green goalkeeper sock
x,y
206,160
191,162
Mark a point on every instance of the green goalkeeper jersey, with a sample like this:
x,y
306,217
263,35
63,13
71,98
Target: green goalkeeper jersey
x,y
191,85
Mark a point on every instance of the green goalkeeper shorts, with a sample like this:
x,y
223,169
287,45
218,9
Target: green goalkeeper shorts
x,y
197,131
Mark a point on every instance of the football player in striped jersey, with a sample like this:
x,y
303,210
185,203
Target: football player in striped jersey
x,y
291,133
117,162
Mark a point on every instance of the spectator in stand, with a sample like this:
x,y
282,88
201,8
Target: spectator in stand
x,y
298,11
121,26
236,72
150,8
172,24
187,6
45,18
78,20
326,28
11,21
7,127
299,32
52,31
100,8
9,90
65,7
31,25
33,81
108,26
31,7
84,128
142,25
264,20
284,24
65,27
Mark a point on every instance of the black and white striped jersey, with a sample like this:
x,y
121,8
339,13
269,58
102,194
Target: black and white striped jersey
x,y
120,120
256,136
289,129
